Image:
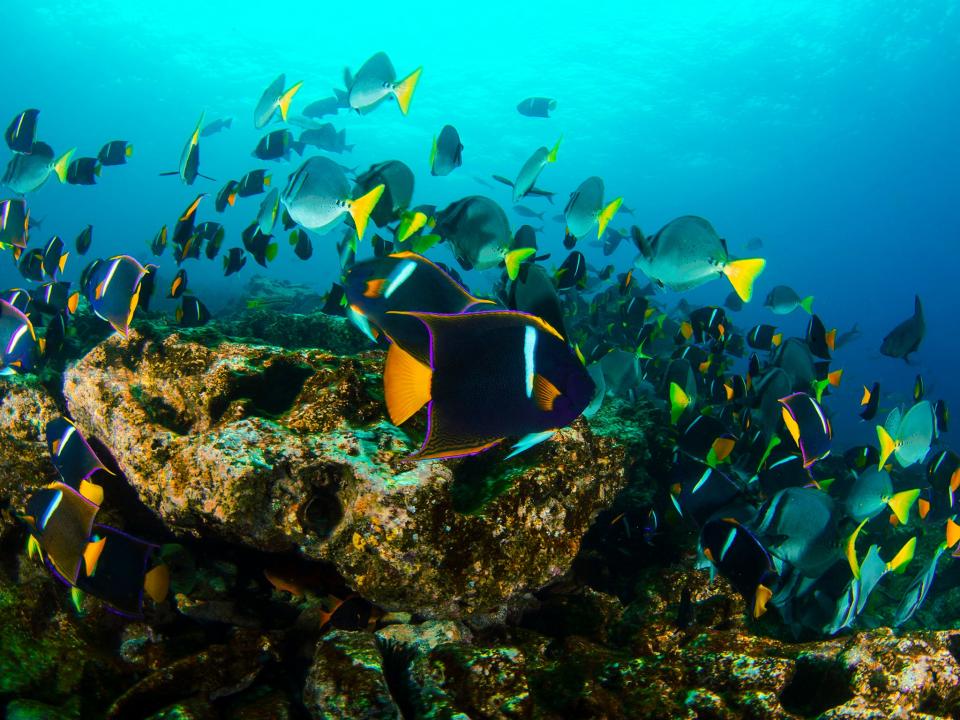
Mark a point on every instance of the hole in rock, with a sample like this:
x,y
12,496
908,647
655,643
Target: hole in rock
x,y
816,686
269,393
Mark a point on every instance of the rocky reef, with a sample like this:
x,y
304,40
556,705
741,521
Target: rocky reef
x,y
317,573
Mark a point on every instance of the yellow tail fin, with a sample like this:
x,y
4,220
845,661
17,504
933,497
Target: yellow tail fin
x,y
552,155
514,258
406,384
361,208
128,151
866,396
404,89
742,274
852,550
284,101
887,446
902,502
903,557
606,215
62,164
807,304
679,401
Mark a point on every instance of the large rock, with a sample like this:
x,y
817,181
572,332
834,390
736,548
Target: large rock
x,y
280,449
25,409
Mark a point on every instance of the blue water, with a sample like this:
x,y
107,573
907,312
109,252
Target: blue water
x,y
828,130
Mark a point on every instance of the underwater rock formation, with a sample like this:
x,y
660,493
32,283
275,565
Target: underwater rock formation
x,y
25,409
281,450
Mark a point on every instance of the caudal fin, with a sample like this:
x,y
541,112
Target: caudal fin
x,y
62,164
742,274
902,502
903,557
404,89
514,258
807,304
606,215
284,102
887,446
552,155
361,208
679,401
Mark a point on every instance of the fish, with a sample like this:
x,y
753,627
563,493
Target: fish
x,y
18,341
301,243
254,182
234,261
799,526
21,133
179,284
258,244
397,181
526,212
14,224
870,401
121,570
446,153
115,152
74,459
114,290
699,492
192,312
211,233
741,557
84,240
531,169
532,192
215,126
83,171
783,300
326,137
29,171
847,337
872,491
274,98
687,252
916,592
535,293
572,272
381,292
317,196
905,338
733,302
764,337
54,258
537,107
227,195
31,265
376,80
189,168
159,242
61,519
819,340
269,209
277,146
907,438
942,416
323,107
478,231
55,298
492,375
586,208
